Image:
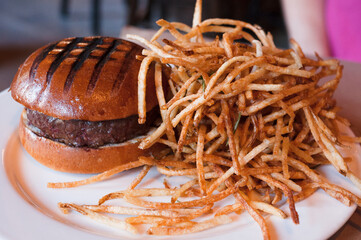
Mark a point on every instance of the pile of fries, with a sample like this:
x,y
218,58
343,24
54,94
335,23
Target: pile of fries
x,y
246,121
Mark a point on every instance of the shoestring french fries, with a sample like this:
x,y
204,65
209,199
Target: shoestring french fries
x,y
247,121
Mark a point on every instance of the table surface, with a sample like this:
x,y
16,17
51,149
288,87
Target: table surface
x,y
348,96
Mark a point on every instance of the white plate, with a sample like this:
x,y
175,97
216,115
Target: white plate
x,y
28,209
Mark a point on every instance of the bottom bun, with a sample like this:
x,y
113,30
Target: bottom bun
x,y
64,158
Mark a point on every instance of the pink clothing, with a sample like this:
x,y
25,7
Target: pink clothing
x,y
343,23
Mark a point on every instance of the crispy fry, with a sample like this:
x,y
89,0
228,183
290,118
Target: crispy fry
x,y
291,184
328,148
231,143
140,177
262,104
219,220
302,154
104,219
97,178
142,192
255,151
130,211
230,208
199,158
278,138
183,136
220,180
189,216
193,203
268,208
181,172
287,192
141,88
254,214
141,219
197,16
284,155
182,189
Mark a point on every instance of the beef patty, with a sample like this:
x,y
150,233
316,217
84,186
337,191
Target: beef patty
x,y
79,133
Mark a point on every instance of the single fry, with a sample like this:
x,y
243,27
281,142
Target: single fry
x,y
104,219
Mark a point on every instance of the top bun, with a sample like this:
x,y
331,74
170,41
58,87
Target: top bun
x,y
90,78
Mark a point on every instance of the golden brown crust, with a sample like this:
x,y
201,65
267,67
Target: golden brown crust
x,y
64,158
92,78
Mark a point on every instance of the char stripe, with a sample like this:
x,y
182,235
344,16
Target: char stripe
x,y
60,58
100,64
79,62
123,70
39,59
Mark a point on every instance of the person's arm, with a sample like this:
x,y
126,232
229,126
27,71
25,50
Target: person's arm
x,y
305,21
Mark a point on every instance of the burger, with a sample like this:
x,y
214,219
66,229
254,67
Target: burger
x,y
80,99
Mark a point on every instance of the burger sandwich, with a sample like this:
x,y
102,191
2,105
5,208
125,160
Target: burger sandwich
x,y
80,98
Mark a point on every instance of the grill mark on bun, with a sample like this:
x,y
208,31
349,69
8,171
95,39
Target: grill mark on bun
x,y
79,62
112,78
42,55
123,70
100,64
60,57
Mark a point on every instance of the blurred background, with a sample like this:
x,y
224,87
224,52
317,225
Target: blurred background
x,y
27,25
